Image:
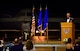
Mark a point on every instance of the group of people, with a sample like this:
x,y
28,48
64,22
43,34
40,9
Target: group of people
x,y
73,47
17,45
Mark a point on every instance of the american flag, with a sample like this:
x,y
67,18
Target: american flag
x,y
33,23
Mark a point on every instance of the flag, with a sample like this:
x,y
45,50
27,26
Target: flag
x,y
45,26
40,20
33,23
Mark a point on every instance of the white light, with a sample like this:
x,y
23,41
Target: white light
x,y
37,31
42,31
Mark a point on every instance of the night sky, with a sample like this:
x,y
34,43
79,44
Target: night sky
x,y
57,8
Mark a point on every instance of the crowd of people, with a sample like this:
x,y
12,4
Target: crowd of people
x,y
17,45
73,47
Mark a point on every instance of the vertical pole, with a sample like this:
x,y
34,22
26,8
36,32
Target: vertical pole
x,y
47,33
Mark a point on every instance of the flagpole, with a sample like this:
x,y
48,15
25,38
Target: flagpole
x,y
41,24
33,22
47,27
47,32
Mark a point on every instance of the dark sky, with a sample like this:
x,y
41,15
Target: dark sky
x,y
57,8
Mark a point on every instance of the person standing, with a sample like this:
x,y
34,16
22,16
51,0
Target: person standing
x,y
69,18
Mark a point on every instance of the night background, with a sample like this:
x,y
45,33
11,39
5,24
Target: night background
x,y
57,8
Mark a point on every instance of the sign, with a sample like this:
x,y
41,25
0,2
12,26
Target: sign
x,y
66,31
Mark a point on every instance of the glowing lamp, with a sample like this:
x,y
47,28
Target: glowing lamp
x,y
37,31
42,31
